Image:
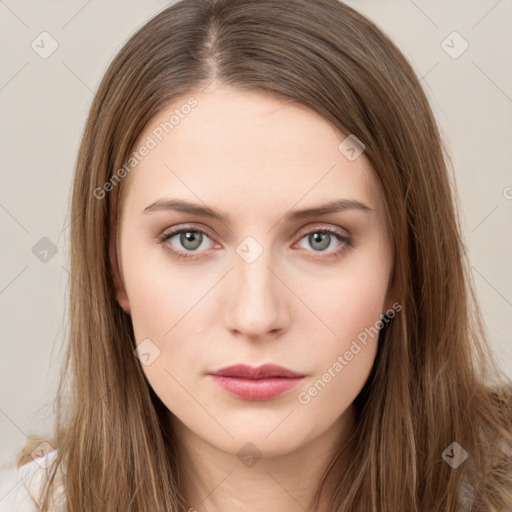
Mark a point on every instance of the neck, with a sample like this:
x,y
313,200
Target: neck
x,y
214,480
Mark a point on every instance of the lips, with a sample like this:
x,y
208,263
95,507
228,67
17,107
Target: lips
x,y
265,371
256,383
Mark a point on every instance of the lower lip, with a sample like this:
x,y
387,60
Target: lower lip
x,y
256,389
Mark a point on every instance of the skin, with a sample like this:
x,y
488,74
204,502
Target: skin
x,y
254,157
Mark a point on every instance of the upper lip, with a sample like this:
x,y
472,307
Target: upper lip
x,y
251,372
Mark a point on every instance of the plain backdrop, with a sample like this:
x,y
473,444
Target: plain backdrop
x,y
44,103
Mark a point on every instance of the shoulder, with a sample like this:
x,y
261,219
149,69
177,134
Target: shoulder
x,y
17,485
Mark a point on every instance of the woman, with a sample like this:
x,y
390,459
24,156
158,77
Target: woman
x,y
219,358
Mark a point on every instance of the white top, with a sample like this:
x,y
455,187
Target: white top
x,y
16,482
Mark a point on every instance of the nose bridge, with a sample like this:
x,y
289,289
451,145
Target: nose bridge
x,y
256,305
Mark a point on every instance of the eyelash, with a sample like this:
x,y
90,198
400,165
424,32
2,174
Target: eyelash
x,y
161,239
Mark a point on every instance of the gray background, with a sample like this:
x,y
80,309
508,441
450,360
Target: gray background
x,y
44,103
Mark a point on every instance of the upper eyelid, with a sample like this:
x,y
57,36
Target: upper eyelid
x,y
175,231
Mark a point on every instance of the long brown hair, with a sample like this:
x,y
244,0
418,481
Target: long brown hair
x,y
434,381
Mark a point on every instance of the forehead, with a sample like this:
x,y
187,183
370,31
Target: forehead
x,y
251,146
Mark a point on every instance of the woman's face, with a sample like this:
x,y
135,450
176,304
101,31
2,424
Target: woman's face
x,y
264,284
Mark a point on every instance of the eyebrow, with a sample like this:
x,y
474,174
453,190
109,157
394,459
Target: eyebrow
x,y
182,206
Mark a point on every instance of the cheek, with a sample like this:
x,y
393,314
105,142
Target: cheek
x,y
328,394
161,294
342,362
162,311
169,307
351,305
352,301
155,308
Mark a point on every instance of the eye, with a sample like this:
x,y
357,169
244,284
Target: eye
x,y
322,239
191,240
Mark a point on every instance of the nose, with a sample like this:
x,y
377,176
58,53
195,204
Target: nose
x,y
257,306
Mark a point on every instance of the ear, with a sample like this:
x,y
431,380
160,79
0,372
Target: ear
x,y
121,296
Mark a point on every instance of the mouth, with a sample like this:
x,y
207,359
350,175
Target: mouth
x,y
256,383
